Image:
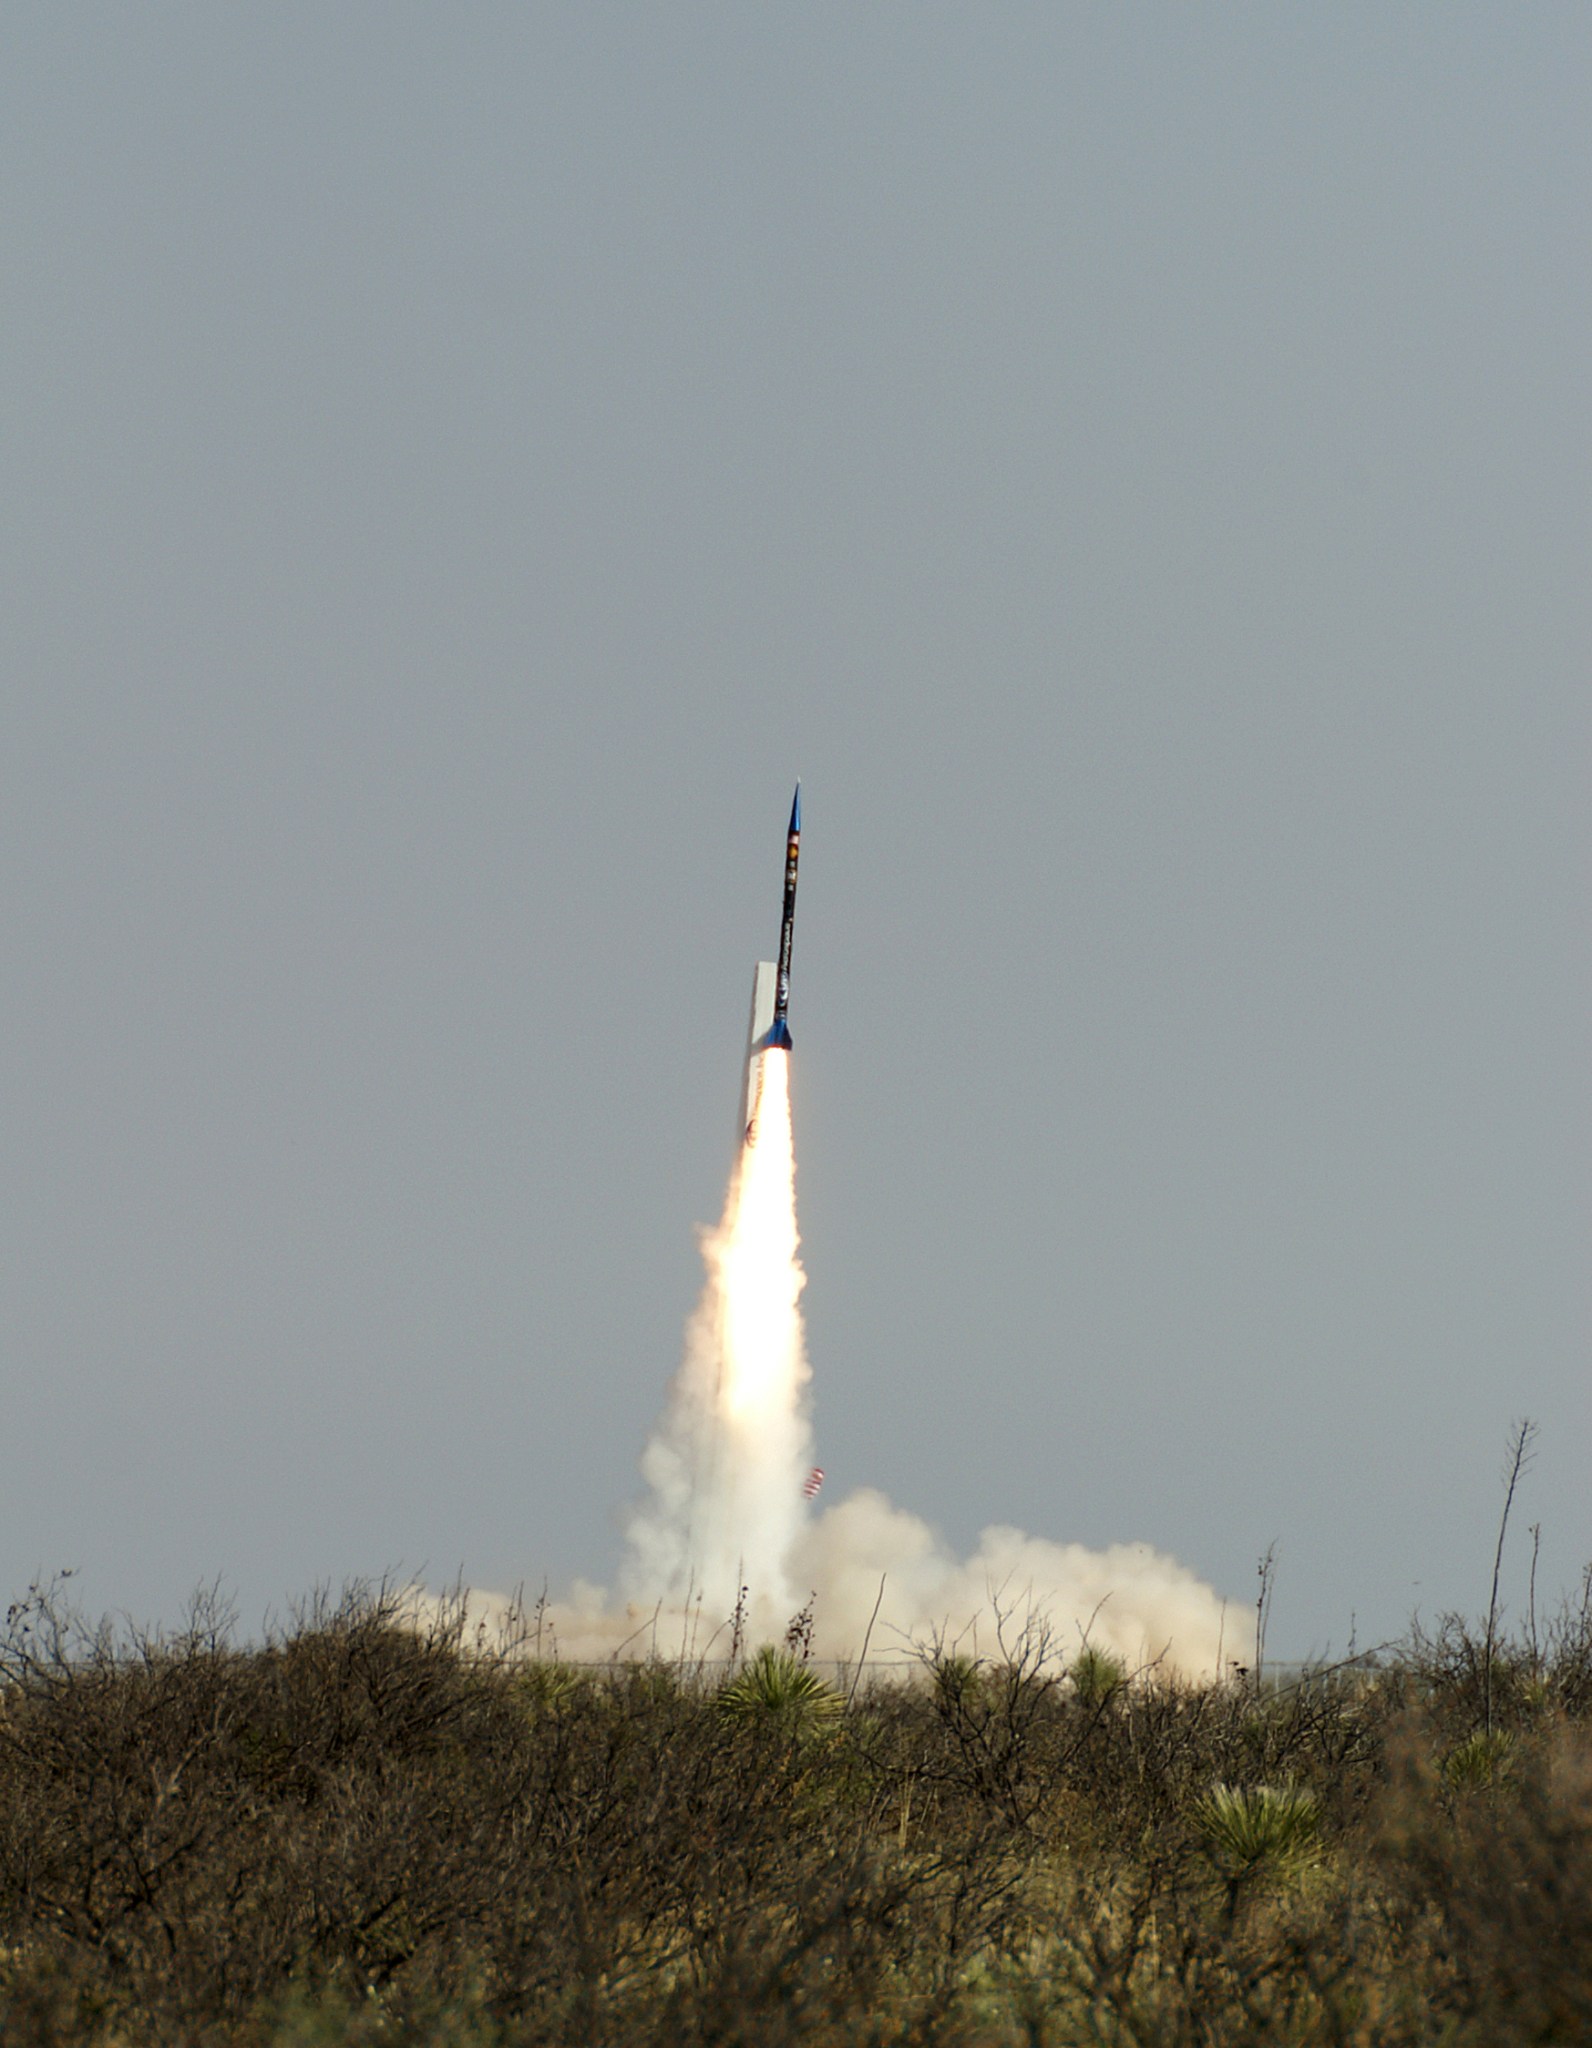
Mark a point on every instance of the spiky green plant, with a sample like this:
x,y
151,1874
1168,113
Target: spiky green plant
x,y
545,1683
1095,1676
1258,1835
956,1676
1479,1762
774,1686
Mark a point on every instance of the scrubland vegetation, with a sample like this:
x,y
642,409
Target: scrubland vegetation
x,y
361,1832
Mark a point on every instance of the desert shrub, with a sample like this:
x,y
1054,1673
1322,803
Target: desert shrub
x,y
1566,1660
1502,1882
1257,1835
777,1688
373,1827
1096,1676
1477,1763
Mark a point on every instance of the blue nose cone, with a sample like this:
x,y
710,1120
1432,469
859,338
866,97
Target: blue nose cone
x,y
796,810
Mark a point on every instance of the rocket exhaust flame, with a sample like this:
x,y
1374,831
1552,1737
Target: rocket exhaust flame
x,y
729,1464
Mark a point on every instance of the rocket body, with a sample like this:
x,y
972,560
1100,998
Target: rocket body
x,y
770,1030
778,1033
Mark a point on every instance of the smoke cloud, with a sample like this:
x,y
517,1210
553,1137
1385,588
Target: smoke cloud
x,y
865,1554
1130,1601
725,1543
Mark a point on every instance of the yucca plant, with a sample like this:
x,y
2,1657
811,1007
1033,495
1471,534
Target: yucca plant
x,y
773,1686
545,1683
1096,1676
1477,1763
955,1676
1257,1835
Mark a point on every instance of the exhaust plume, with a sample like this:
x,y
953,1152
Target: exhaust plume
x,y
726,1464
727,1528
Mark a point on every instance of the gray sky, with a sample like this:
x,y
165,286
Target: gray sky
x,y
463,462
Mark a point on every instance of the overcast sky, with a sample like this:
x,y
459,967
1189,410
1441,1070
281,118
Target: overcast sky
x,y
463,462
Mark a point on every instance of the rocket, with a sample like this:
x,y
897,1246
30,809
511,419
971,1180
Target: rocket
x,y
768,1030
778,1033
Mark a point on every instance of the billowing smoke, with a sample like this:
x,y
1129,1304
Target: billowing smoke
x,y
881,1581
1130,1601
725,1524
725,1548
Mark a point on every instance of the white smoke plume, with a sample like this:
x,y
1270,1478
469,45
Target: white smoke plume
x,y
726,1464
882,1582
1139,1606
725,1530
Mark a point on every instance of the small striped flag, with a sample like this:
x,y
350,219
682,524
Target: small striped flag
x,y
815,1479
